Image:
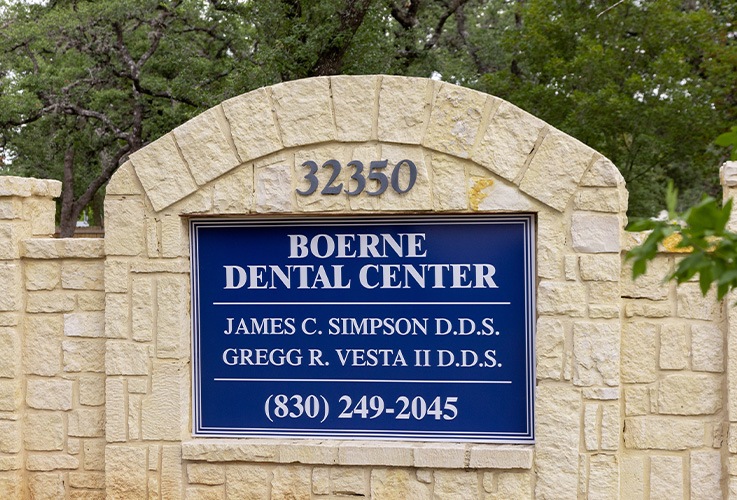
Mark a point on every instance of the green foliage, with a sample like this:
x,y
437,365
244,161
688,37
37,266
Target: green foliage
x,y
702,229
729,139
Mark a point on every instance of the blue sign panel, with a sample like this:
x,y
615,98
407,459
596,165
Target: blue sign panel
x,y
409,328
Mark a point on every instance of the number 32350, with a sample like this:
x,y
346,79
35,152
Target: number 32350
x,y
376,172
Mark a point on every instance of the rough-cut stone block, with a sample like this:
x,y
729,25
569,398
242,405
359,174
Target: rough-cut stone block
x,y
252,124
321,452
600,267
397,484
448,176
603,173
455,120
46,485
11,208
508,141
454,484
686,394
497,196
601,393
706,475
291,482
595,233
692,305
650,285
603,477
91,390
441,455
84,324
674,350
49,302
161,409
124,226
42,275
116,414
10,350
172,334
273,188
87,422
591,426
123,181
636,400
205,147
354,103
561,298
41,213
557,432
49,394
171,471
707,347
116,315
233,193
251,450
596,354
10,436
82,275
551,244
163,173
610,428
249,482
348,481
666,477
404,108
375,453
126,358
663,433
639,353
550,343
514,486
42,353
125,472
43,431
318,202
10,277
597,200
632,476
26,187
556,169
212,474
11,234
304,111
648,309
498,457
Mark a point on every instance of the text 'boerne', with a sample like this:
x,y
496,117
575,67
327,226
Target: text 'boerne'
x,y
373,274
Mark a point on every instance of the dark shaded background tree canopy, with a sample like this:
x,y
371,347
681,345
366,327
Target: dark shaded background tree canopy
x,y
648,83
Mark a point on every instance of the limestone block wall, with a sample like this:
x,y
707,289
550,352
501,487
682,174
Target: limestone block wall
x,y
52,363
634,386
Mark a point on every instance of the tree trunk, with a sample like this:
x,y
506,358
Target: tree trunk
x,y
68,217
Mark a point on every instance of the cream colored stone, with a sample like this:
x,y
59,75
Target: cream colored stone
x,y
213,450
601,393
632,476
204,146
549,347
10,436
591,426
650,285
663,433
647,309
602,173
172,333
499,457
11,235
91,390
398,484
116,315
603,477
71,248
291,482
83,356
273,188
375,453
171,481
116,276
87,479
304,111
674,352
551,180
11,278
46,486
666,477
41,212
25,187
43,431
600,267
198,202
49,302
596,353
551,244
557,431
233,193
42,350
321,480
499,197
707,348
203,493
11,208
42,275
639,352
165,176
692,305
125,472
595,233
246,482
561,298
126,358
440,455
601,311
448,183
123,181
212,474
686,394
10,485
94,454
348,481
142,308
355,105
318,202
508,141
124,226
173,236
82,275
84,324
706,475
454,484
455,120
10,350
160,410
513,486
9,318
610,427
49,394
87,422
252,124
404,109
597,200
570,267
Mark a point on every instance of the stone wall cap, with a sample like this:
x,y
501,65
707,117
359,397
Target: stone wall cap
x,y
27,186
728,173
